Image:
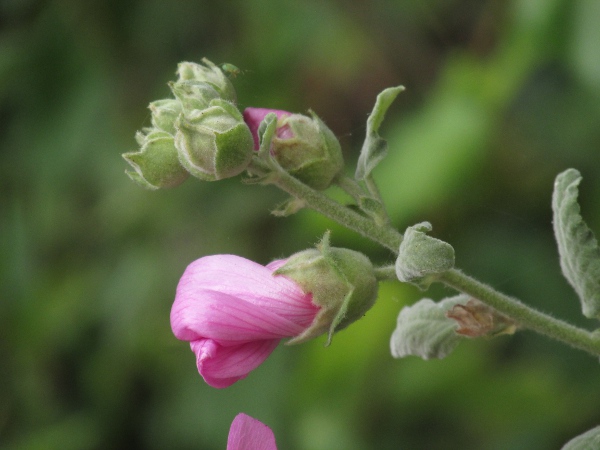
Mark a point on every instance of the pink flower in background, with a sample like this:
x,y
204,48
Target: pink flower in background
x,y
254,116
247,433
234,312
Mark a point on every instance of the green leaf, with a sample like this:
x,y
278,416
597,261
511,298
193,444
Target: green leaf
x,y
374,148
577,246
373,208
586,441
424,330
421,257
289,207
266,131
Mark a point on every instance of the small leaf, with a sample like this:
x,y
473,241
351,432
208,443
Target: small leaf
x,y
374,148
424,330
373,208
586,441
266,130
577,246
289,207
422,257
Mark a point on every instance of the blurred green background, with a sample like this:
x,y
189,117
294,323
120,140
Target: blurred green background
x,y
501,96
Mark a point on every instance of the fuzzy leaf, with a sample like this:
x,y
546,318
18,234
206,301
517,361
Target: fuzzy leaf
x,y
266,131
424,330
289,207
373,208
577,246
586,441
374,148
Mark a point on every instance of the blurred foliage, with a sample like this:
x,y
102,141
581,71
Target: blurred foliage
x,y
501,96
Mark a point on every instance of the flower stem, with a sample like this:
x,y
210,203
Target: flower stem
x,y
350,187
385,273
385,235
524,315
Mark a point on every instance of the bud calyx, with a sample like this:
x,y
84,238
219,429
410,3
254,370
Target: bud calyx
x,y
342,283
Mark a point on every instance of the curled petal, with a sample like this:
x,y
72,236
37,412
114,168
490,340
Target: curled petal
x,y
222,366
251,282
247,433
226,319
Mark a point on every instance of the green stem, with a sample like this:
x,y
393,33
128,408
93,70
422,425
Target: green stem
x,y
385,273
524,315
350,187
374,190
386,236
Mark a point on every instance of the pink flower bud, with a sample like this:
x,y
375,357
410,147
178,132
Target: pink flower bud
x,y
247,433
234,312
302,145
254,116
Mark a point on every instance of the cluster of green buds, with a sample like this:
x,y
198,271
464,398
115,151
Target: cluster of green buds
x,y
199,132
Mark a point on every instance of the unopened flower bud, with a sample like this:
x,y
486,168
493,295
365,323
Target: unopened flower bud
x,y
208,73
304,146
422,258
164,114
342,283
193,94
156,164
214,143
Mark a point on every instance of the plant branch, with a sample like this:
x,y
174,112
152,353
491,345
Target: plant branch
x,y
385,235
524,315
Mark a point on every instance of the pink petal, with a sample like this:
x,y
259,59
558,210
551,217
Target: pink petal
x,y
274,265
222,366
227,319
250,281
254,116
247,433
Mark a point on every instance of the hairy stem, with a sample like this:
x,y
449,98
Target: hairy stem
x,y
524,315
385,273
350,187
386,235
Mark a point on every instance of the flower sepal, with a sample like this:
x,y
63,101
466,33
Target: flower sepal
x,y
164,113
192,94
342,283
214,143
156,164
208,73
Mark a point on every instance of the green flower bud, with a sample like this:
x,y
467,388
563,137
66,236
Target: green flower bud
x,y
214,143
193,94
156,164
164,114
208,73
421,258
342,282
